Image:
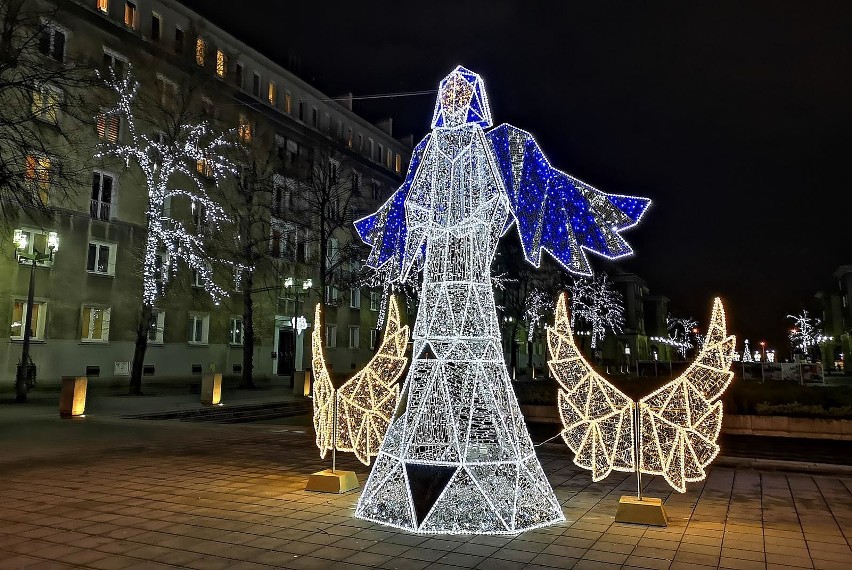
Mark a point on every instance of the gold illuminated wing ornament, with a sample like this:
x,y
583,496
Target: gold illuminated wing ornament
x,y
366,402
597,416
323,389
678,424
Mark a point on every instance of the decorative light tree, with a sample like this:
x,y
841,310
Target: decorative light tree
x,y
683,335
747,356
166,165
595,303
671,432
806,333
457,457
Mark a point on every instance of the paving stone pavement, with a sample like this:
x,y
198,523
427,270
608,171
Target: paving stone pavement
x,y
112,494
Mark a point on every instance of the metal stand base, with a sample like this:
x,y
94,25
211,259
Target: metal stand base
x,y
646,510
328,481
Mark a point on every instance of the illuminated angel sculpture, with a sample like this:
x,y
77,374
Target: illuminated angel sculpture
x,y
457,457
365,402
678,423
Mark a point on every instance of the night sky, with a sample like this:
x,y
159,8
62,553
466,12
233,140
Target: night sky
x,y
733,117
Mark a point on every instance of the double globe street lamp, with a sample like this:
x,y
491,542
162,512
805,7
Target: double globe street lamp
x,y
25,373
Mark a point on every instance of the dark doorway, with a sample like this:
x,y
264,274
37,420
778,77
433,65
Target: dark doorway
x,y
286,353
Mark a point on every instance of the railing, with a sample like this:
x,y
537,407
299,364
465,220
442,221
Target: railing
x,y
99,210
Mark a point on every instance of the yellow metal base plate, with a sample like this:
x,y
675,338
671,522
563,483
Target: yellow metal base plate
x,y
328,481
647,510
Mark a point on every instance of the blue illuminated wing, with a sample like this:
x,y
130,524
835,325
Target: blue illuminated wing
x,y
386,230
556,212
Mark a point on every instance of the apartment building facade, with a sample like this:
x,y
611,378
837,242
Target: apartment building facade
x,y
88,293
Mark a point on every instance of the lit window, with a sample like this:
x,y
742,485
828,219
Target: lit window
x,y
19,315
101,258
235,335
130,15
158,322
95,324
355,298
36,241
288,102
221,63
398,164
199,325
200,49
103,6
46,101
52,41
203,168
108,127
244,129
354,337
331,336
38,174
272,93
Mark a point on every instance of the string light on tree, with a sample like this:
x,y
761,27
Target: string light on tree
x,y
596,304
457,457
678,424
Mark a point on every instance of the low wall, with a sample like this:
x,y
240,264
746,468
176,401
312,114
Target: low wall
x,y
776,426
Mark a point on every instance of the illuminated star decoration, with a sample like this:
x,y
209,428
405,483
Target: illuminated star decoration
x,y
679,423
457,458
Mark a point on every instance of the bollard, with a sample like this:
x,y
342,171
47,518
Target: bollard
x,y
211,389
72,397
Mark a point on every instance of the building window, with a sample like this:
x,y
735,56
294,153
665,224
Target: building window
x,y
114,61
235,336
95,324
360,143
178,40
378,157
398,164
375,299
46,101
103,6
167,90
376,190
108,127
356,183
156,27
355,298
198,276
199,328
331,336
37,241
333,171
38,173
301,111
374,336
221,63
272,93
370,147
130,15
200,51
158,322
102,200
339,132
255,85
288,103
332,294
52,41
238,75
161,269
314,117
244,129
349,137
388,158
19,315
101,258
354,337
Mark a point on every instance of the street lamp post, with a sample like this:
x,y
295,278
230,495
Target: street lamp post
x,y
26,370
289,284
763,349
